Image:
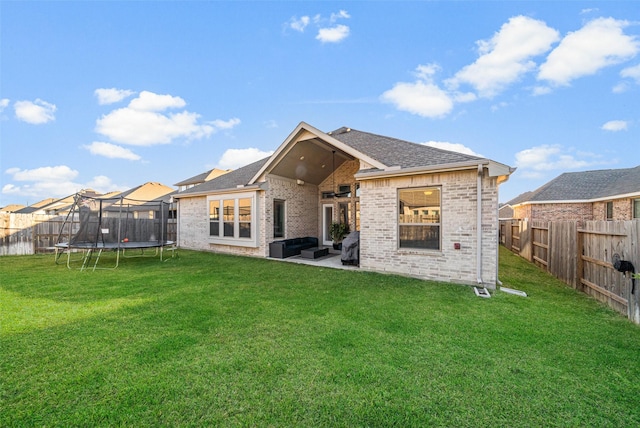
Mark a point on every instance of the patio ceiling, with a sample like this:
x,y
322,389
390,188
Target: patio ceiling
x,y
311,161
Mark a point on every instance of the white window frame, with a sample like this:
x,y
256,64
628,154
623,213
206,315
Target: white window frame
x,y
235,240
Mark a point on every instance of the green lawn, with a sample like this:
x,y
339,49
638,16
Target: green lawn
x,y
209,340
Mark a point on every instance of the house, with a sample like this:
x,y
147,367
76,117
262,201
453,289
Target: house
x,y
421,211
200,178
610,194
35,207
12,208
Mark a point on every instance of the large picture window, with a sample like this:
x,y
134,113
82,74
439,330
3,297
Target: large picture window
x,y
232,218
419,213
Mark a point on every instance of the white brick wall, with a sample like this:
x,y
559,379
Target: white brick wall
x,y
379,231
379,215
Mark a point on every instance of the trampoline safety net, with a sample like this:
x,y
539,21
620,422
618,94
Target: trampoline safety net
x,y
114,224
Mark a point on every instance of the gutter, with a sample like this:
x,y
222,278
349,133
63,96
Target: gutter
x,y
239,189
397,171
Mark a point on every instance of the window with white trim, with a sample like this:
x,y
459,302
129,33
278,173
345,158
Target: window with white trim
x,y
416,229
636,208
232,219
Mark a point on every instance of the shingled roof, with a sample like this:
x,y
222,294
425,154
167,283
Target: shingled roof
x,y
395,152
585,185
230,180
387,151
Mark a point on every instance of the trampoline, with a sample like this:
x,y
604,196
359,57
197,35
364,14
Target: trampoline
x,y
130,228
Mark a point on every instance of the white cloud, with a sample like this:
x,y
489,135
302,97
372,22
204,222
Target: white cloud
x,y
551,157
60,172
333,34
620,88
4,102
600,43
632,73
541,90
236,158
343,14
615,125
35,112
148,101
452,147
103,184
507,56
111,151
299,24
143,122
51,181
422,98
328,31
112,95
226,124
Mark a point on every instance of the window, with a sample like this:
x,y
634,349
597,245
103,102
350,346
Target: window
x,y
636,208
232,218
344,190
344,211
417,230
244,217
214,218
610,210
327,195
229,217
278,218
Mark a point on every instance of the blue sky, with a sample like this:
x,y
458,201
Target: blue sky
x,y
109,95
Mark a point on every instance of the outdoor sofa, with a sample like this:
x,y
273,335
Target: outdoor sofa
x,y
291,247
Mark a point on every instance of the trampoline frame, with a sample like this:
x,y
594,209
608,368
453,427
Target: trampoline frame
x,y
88,249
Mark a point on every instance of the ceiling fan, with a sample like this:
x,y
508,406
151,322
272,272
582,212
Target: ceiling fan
x,y
333,193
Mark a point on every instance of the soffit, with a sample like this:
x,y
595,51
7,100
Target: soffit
x,y
311,160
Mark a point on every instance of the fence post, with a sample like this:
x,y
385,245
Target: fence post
x,y
579,261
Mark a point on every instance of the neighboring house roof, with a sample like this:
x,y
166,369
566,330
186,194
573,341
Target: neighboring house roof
x,y
585,186
505,211
13,208
146,192
205,176
35,207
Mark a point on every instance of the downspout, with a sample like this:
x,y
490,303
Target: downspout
x,y
498,282
479,225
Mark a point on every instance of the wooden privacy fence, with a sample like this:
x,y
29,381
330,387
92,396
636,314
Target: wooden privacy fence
x,y
23,234
581,255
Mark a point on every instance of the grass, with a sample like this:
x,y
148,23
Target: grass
x,y
210,340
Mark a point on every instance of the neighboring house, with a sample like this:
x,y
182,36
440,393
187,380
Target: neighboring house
x,y
421,211
12,208
35,207
505,212
611,194
200,178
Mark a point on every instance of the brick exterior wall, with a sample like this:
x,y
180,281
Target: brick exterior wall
x,y
378,225
301,206
379,230
193,228
587,211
